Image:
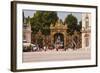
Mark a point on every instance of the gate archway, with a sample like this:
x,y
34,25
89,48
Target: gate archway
x,y
59,28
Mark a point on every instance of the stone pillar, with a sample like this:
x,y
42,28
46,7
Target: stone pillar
x,y
64,41
52,37
83,40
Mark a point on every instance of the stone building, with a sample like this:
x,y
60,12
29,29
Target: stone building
x,y
86,30
27,32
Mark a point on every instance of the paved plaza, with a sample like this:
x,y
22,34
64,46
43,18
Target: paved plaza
x,y
53,55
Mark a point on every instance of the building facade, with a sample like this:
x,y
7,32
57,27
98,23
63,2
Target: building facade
x,y
27,32
86,30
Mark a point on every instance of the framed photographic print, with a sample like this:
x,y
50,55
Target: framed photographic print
x,y
47,36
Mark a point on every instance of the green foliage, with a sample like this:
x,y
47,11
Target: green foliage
x,y
70,20
72,25
42,20
39,40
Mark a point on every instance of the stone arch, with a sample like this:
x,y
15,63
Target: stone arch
x,y
58,27
64,37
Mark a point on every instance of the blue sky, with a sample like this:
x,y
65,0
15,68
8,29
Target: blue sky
x,y
60,14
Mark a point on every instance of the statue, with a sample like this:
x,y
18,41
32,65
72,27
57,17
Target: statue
x,y
58,39
58,43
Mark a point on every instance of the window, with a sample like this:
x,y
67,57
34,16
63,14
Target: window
x,y
87,42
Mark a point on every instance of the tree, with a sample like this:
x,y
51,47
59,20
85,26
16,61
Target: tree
x,y
74,30
39,39
71,22
42,20
36,22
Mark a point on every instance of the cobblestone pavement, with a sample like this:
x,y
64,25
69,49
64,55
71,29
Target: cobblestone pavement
x,y
53,55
